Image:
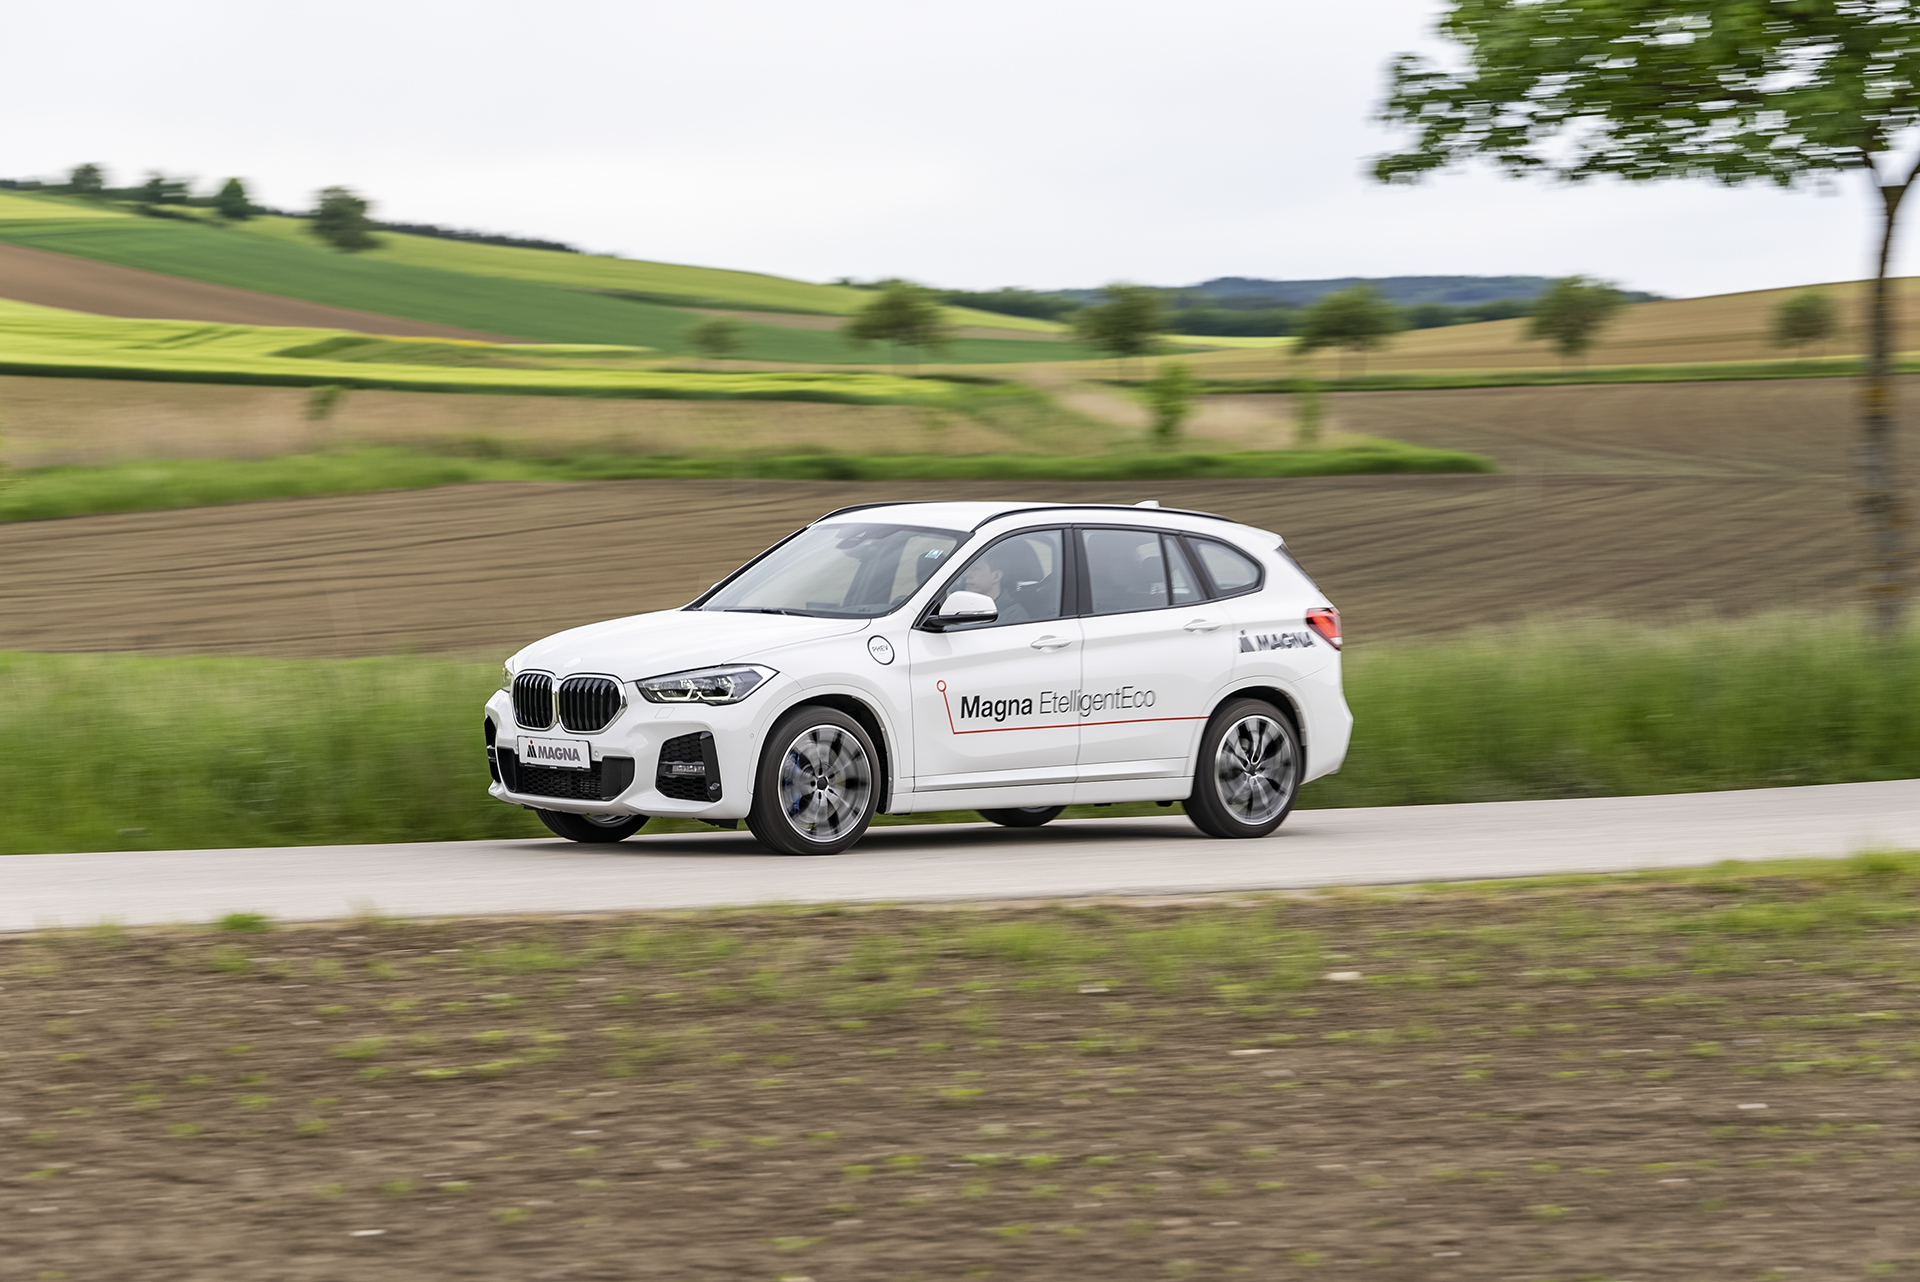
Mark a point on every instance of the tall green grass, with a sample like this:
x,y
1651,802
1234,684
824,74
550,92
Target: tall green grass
x,y
1610,709
40,494
120,752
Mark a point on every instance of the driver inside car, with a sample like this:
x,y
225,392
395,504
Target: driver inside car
x,y
996,573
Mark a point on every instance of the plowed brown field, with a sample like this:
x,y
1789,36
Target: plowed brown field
x,y
82,285
483,569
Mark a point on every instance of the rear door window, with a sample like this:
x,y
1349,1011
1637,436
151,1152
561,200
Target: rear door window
x,y
1125,571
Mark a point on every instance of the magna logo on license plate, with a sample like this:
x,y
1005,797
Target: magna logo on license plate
x,y
560,754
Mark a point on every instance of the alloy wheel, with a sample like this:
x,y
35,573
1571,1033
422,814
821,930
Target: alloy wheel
x,y
825,783
1255,769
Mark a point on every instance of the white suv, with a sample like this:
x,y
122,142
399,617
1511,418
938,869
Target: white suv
x,y
907,657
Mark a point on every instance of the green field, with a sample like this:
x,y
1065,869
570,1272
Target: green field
x,y
283,751
40,494
670,283
474,287
50,342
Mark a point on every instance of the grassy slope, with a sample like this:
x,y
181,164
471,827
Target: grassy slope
x,y
432,280
668,282
283,753
49,341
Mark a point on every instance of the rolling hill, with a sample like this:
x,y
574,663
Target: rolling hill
x,y
546,296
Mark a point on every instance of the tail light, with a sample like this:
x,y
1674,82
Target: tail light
x,y
1326,621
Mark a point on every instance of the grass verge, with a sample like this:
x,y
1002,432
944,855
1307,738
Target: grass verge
x,y
1692,1075
116,752
46,493
1728,371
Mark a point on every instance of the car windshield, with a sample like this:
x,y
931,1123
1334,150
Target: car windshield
x,y
840,571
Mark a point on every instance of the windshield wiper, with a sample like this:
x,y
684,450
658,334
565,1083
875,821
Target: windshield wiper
x,y
765,609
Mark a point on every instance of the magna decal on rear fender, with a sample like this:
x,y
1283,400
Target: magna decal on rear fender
x,y
1276,641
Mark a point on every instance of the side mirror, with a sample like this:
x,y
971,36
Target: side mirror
x,y
964,607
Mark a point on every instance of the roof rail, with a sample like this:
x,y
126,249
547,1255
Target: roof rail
x,y
1111,507
1032,507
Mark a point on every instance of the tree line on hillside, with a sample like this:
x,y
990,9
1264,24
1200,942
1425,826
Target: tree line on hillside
x,y
1247,314
340,216
1130,320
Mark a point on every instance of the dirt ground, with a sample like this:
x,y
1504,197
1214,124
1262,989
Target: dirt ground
x,y
82,285
482,569
1656,1084
1630,501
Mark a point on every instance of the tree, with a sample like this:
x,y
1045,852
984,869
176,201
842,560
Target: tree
x,y
1807,317
341,220
162,190
1126,324
903,315
1571,311
1358,320
716,337
87,180
1737,91
1169,394
232,202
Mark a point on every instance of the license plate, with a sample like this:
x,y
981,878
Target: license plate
x,y
560,754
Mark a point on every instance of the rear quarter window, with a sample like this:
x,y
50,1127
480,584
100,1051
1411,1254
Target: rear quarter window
x,y
1231,570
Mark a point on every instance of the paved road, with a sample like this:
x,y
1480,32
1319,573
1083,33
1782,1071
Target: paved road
x,y
962,861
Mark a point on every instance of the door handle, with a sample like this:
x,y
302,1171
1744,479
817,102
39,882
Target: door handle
x,y
1050,642
1202,625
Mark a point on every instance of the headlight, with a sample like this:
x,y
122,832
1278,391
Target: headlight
x,y
506,676
704,685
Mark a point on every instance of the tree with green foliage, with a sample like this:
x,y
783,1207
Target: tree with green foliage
x,y
340,219
87,180
1127,323
1571,312
716,337
1786,92
232,202
1356,320
1169,395
903,315
161,190
1807,317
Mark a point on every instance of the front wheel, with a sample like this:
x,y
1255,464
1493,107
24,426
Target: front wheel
x,y
1248,774
591,828
816,788
1024,817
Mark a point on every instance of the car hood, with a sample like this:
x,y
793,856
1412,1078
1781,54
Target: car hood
x,y
651,645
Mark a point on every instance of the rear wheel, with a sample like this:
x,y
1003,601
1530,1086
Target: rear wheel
x,y
1024,817
816,788
1248,774
591,828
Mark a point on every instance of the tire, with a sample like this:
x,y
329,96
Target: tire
x,y
816,788
1024,817
1230,799
593,829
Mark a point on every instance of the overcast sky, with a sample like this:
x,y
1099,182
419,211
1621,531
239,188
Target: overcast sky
x,y
1027,142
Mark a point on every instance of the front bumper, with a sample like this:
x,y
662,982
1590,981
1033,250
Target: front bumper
x,y
629,775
